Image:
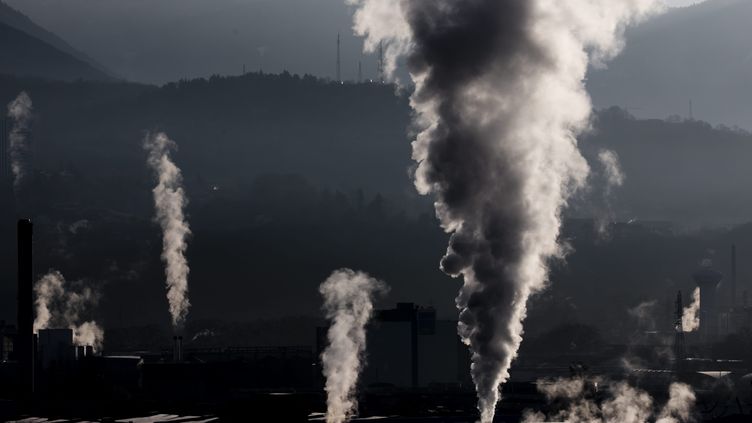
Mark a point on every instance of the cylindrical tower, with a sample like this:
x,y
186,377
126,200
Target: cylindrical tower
x,y
708,279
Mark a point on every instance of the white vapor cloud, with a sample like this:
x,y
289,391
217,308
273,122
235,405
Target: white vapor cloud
x,y
61,306
348,303
19,110
499,102
691,313
623,403
169,202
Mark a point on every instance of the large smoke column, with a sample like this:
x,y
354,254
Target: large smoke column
x,y
58,305
348,302
169,201
20,111
691,313
499,100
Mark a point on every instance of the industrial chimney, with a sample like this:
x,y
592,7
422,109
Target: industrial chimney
x,y
708,279
24,346
177,349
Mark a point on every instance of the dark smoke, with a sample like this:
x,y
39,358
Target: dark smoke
x,y
499,101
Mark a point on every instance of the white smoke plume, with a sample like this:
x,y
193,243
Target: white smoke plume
x,y
691,313
348,303
20,111
679,406
614,177
624,403
59,305
499,100
170,201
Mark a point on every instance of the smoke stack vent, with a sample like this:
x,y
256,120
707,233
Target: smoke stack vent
x,y
25,341
177,349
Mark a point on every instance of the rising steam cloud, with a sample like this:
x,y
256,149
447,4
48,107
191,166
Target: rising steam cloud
x,y
691,313
169,202
19,110
499,101
624,404
59,305
348,305
614,178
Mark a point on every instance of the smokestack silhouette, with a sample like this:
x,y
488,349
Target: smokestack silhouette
x,y
169,202
499,100
349,306
24,347
177,349
679,345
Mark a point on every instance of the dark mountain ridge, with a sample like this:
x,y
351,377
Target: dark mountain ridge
x,y
21,22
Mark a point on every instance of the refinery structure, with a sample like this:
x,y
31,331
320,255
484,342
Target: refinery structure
x,y
416,366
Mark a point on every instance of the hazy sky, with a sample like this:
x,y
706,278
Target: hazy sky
x,y
165,40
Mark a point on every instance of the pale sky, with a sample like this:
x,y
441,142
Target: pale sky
x,y
164,40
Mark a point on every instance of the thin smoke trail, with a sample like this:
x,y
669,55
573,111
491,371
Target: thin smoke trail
x,y
614,177
19,110
499,100
169,202
348,302
58,305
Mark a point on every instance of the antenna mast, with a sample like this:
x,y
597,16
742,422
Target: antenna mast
x,y
339,69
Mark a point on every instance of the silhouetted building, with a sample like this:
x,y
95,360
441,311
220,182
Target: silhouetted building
x,y
55,347
7,336
708,279
408,347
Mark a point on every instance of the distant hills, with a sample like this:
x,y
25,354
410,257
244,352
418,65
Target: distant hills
x,y
284,174
700,53
27,49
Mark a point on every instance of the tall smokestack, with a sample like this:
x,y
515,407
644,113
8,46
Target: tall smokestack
x,y
177,349
24,346
733,275
679,349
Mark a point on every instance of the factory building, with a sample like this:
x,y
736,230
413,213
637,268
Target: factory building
x,y
55,348
708,280
7,336
408,347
